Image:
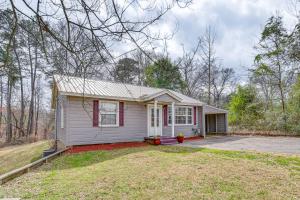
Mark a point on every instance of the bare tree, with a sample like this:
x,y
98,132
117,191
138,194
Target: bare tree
x,y
223,79
192,70
209,58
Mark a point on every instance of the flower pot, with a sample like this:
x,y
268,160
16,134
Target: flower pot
x,y
156,141
180,139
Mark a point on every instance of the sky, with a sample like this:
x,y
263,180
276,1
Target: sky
x,y
237,23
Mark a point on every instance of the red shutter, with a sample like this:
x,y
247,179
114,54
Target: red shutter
x,y
195,115
121,114
165,109
95,113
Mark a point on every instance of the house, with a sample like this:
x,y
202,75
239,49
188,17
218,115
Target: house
x,y
95,112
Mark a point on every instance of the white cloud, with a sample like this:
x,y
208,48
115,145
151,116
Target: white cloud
x,y
238,24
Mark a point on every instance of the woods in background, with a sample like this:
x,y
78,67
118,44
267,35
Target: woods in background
x,y
37,45
270,101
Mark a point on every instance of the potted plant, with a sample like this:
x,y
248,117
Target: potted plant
x,y
180,137
156,140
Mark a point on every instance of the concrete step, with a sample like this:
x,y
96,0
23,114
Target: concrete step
x,y
168,140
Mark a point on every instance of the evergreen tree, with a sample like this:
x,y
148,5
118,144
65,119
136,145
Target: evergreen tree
x,y
164,74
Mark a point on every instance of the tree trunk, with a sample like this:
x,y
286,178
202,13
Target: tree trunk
x,y
8,112
32,78
37,113
21,127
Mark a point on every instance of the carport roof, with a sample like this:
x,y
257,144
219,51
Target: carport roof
x,y
213,110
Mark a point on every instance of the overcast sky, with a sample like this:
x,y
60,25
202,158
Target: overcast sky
x,y
238,24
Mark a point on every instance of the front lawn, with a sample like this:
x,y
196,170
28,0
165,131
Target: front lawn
x,y
163,172
16,156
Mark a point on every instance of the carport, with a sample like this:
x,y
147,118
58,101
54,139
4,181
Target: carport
x,y
215,120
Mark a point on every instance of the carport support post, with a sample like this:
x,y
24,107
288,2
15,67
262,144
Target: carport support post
x,y
173,119
155,117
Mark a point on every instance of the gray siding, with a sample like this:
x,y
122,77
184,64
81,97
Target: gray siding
x,y
61,132
165,98
81,131
185,129
221,126
78,128
200,120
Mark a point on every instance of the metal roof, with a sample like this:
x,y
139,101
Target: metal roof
x,y
75,86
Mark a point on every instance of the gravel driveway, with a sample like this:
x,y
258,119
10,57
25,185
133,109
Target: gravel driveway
x,y
288,145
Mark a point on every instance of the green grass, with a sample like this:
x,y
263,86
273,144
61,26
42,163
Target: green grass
x,y
13,157
163,172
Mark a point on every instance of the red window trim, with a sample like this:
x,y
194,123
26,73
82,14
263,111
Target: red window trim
x,y
121,113
195,115
95,113
165,111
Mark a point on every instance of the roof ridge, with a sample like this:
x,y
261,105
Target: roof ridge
x,y
111,81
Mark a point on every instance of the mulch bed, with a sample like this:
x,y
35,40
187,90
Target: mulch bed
x,y
96,147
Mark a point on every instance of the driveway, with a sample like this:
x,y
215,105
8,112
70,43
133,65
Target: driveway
x,y
287,145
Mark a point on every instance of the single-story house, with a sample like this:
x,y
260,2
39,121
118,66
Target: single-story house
x,y
95,112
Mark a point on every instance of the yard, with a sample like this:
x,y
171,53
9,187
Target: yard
x,y
164,172
13,157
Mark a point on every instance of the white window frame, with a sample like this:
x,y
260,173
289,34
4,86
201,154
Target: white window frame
x,y
186,107
117,114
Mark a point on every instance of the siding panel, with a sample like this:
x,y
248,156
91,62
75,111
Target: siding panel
x,y
81,131
221,126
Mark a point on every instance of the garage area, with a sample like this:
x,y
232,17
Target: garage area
x,y
215,120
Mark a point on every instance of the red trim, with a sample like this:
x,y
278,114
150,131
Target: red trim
x,y
195,115
121,114
95,113
97,147
165,109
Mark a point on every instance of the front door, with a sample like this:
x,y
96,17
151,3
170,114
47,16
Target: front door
x,y
151,127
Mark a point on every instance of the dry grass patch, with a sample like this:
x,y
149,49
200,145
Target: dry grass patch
x,y
161,173
13,157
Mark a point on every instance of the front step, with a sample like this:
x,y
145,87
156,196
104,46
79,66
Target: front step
x,y
168,140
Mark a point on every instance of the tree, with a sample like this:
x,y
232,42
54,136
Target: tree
x,y
245,109
163,74
126,71
272,61
294,107
105,23
192,71
222,79
209,59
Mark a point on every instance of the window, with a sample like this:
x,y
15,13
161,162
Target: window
x,y
183,115
109,112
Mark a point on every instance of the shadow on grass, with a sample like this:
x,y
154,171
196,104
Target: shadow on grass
x,y
89,158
